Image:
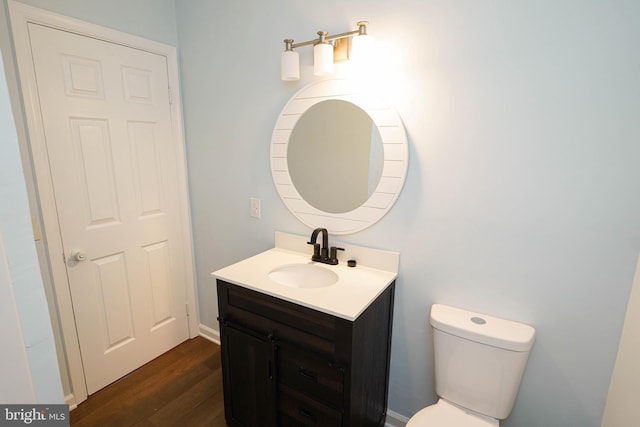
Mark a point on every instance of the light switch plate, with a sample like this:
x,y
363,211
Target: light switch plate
x,y
254,209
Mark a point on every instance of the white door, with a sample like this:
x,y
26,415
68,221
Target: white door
x,y
106,119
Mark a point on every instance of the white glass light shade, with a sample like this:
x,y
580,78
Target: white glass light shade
x,y
322,59
289,65
362,49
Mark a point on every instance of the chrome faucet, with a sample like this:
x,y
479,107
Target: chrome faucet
x,y
323,254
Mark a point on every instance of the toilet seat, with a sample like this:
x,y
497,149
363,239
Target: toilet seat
x,y
445,414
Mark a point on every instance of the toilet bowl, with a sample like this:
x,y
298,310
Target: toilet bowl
x,y
445,414
479,362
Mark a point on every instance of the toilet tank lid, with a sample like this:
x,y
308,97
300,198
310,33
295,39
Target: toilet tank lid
x,y
482,328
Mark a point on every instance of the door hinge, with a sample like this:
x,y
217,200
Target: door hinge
x,y
170,96
186,307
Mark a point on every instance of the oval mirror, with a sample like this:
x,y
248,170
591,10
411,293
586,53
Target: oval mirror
x,y
338,157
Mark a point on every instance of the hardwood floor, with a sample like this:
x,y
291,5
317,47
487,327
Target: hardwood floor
x,y
182,387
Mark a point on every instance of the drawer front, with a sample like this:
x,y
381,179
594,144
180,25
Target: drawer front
x,y
312,321
287,322
295,410
310,374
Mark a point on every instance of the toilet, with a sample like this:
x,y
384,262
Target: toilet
x,y
479,362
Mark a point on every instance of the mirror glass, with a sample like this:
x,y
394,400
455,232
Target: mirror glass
x,y
339,156
336,147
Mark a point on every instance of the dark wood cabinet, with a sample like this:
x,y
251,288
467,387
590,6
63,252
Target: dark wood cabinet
x,y
249,361
288,365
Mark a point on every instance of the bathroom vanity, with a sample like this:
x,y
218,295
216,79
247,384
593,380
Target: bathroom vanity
x,y
306,356
306,342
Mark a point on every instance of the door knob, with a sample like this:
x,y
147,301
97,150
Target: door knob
x,y
78,255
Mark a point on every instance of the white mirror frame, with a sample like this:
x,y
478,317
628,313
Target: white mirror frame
x,y
396,157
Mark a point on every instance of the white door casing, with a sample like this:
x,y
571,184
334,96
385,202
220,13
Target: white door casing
x,y
120,142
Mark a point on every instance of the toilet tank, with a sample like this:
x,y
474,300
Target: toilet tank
x,y
479,359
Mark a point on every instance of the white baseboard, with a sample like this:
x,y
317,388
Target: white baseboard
x,y
209,333
395,420
70,400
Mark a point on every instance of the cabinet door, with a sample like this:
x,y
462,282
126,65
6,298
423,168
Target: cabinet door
x,y
248,378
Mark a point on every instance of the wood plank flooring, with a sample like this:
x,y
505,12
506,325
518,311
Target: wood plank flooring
x,y
182,387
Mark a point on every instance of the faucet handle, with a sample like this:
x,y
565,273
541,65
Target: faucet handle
x,y
316,248
333,253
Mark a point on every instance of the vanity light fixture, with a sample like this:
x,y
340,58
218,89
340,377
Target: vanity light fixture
x,y
323,52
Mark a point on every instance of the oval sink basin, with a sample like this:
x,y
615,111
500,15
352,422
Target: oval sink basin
x,y
303,276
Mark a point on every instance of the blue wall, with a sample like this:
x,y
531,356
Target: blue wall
x,y
522,194
37,357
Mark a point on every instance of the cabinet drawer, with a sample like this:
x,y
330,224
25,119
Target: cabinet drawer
x,y
296,410
286,321
310,374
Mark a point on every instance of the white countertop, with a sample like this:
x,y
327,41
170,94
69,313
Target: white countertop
x,y
356,288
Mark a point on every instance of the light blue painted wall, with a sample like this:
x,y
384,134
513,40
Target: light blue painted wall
x,y
522,194
26,281
521,199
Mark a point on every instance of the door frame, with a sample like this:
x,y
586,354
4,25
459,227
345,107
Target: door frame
x,y
21,15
